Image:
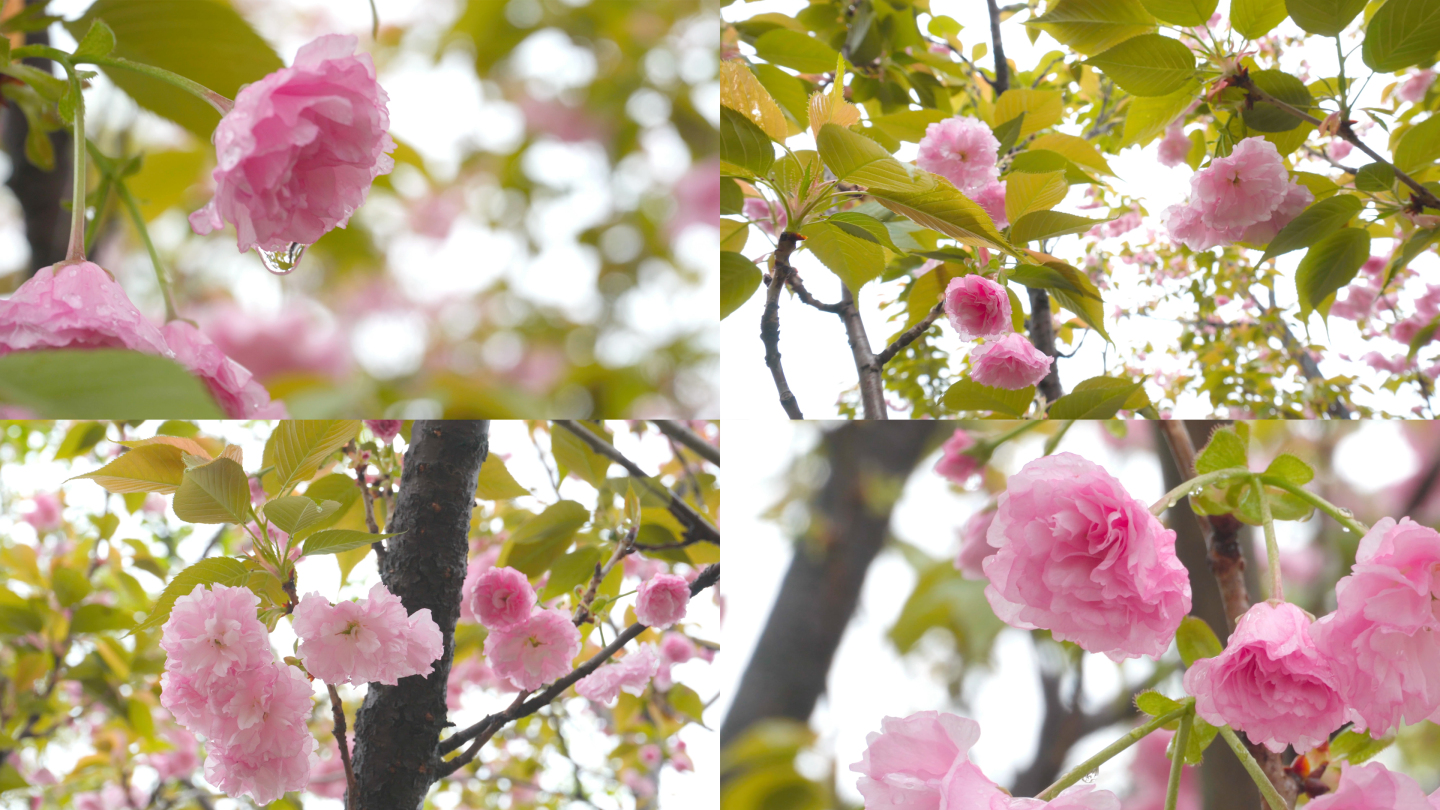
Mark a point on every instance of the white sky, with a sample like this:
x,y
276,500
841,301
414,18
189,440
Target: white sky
x,y
869,679
509,440
817,358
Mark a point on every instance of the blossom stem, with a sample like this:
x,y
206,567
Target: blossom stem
x,y
337,710
75,252
1199,482
1272,548
1027,425
133,208
1054,441
1341,516
1177,762
1272,796
1135,735
221,104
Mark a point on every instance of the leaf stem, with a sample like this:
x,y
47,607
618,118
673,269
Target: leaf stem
x,y
161,277
1198,482
1272,548
221,104
75,252
1177,762
1272,796
1341,516
1135,735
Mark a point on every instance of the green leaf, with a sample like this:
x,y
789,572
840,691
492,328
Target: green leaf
x,y
571,570
1092,26
863,226
1375,177
856,261
560,519
946,210
856,158
336,487
98,618
1076,149
687,702
1041,108
214,571
733,235
1201,735
1009,132
1072,288
297,447
202,40
335,541
1329,265
1038,225
739,279
70,586
1256,18
1413,246
1182,12
796,51
573,454
98,41
1324,17
1225,449
1155,704
732,199
1148,65
1148,116
102,384
1402,33
79,439
968,395
217,492
1321,218
10,779
149,468
293,514
1096,398
1026,192
1422,336
1196,640
744,145
1357,746
1291,469
908,125
1266,117
1419,146
495,482
45,84
790,92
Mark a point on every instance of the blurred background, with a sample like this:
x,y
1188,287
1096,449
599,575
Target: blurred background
x,y
847,540
547,243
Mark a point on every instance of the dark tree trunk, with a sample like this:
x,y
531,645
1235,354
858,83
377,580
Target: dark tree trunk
x,y
397,730
47,224
850,519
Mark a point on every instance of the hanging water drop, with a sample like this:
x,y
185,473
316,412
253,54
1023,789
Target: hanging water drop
x,y
282,262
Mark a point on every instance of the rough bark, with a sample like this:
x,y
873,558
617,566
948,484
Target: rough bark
x,y
40,193
849,522
397,730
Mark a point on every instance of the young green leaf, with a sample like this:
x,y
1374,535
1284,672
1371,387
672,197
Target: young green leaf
x,y
1402,33
151,468
1099,398
968,395
495,482
98,41
215,492
1147,65
1196,640
1315,222
1291,469
334,541
739,279
1329,265
214,571
1225,450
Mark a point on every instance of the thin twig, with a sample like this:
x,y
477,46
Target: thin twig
x,y
910,335
582,611
690,439
770,322
370,523
337,709
872,392
798,287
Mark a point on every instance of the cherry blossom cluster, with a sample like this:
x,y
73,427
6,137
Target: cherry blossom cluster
x,y
964,151
222,680
1246,196
528,646
370,640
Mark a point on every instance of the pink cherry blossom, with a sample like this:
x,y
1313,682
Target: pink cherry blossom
x,y
697,197
1077,797
975,549
297,154
327,774
1079,556
299,339
1413,89
907,762
535,652
154,504
385,430
1150,774
1174,146
182,760
991,197
232,385
1338,149
215,632
679,759
372,640
955,464
977,307
44,513
1372,786
638,566
768,215
1358,302
500,598
1186,227
1297,198
962,150
661,600
1010,362
630,674
110,797
1243,187
676,648
75,306
1383,640
1270,682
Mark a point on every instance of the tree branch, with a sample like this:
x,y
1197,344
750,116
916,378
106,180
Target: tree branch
x,y
770,322
1042,337
486,728
910,335
337,710
696,524
872,395
1002,67
690,439
798,287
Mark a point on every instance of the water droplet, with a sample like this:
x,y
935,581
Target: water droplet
x,y
1346,512
282,262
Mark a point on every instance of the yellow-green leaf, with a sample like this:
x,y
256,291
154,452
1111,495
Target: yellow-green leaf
x,y
216,492
495,482
1402,33
1147,65
1042,108
151,468
1092,26
1328,266
1032,192
855,260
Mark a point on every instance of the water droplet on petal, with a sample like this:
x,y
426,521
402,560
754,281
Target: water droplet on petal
x,y
282,262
